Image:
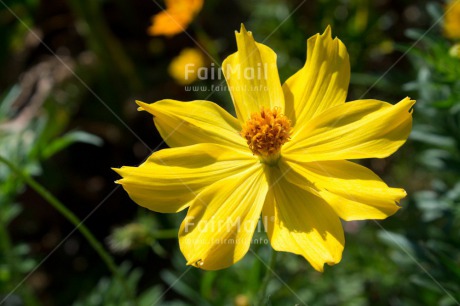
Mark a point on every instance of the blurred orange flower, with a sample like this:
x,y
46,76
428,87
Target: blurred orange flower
x,y
176,18
452,20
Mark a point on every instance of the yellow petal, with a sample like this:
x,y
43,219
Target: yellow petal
x,y
299,222
252,77
452,20
188,123
359,129
353,191
220,223
322,83
171,178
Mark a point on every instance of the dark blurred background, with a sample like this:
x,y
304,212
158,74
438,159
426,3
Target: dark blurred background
x,y
71,71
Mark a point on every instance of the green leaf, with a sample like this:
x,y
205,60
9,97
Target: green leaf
x,y
68,139
425,134
435,10
178,285
395,240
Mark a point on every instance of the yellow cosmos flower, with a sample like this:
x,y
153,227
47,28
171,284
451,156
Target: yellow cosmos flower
x,y
176,18
452,20
184,67
284,157
454,51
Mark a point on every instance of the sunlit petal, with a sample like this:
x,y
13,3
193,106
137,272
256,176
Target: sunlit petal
x,y
353,191
322,82
188,123
169,179
299,222
354,130
220,223
252,77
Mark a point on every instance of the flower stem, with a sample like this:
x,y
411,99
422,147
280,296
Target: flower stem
x,y
165,234
268,276
6,248
97,246
101,40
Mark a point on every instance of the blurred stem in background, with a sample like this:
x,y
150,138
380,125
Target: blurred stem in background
x,y
208,44
53,201
6,248
100,39
262,300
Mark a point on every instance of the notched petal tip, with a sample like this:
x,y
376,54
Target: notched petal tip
x,y
151,108
410,102
311,41
243,31
331,263
142,106
195,263
398,199
403,193
328,31
122,171
117,170
408,99
320,267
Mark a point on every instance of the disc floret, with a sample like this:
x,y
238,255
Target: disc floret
x,y
266,132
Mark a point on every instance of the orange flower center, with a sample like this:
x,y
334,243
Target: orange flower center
x,y
265,132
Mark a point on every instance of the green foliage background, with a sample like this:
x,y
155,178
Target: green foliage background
x,y
66,120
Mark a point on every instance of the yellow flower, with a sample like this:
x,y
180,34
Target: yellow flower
x,y
184,67
452,20
284,157
454,51
176,18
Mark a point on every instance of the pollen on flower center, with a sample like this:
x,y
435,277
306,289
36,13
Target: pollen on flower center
x,y
266,131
